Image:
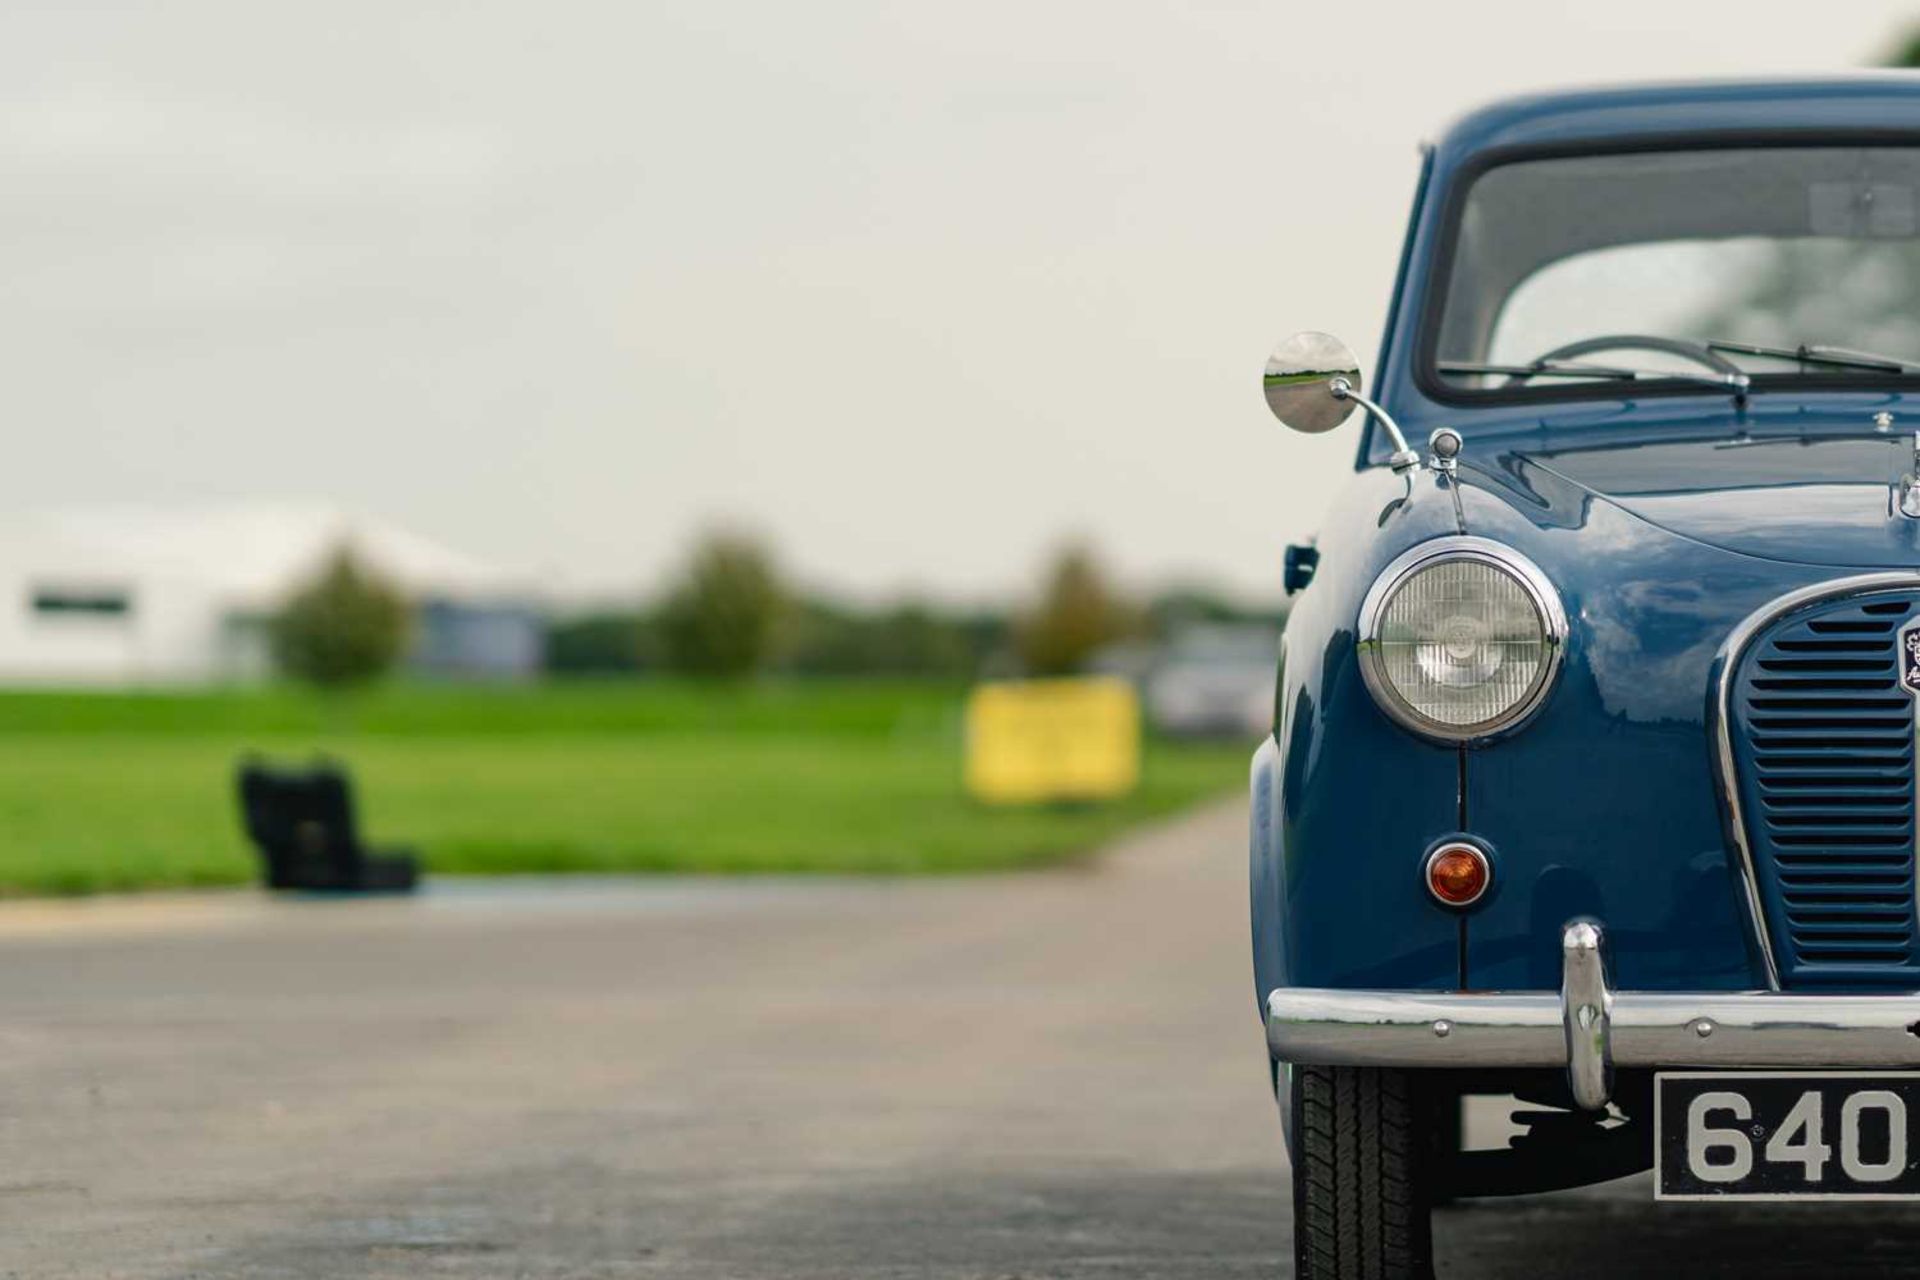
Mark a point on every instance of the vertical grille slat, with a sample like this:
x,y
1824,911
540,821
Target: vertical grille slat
x,y
1824,750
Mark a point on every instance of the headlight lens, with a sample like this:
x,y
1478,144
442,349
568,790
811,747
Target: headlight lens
x,y
1461,638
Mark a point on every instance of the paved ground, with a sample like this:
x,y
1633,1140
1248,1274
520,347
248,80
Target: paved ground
x,y
1047,1076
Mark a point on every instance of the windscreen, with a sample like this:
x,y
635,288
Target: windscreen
x,y
1810,253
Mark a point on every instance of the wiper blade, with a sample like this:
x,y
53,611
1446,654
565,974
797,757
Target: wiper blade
x,y
1838,357
1550,369
1575,369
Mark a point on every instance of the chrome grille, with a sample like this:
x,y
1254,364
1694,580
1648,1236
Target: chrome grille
x,y
1824,738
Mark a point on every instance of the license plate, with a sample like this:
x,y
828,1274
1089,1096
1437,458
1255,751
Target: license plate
x,y
1777,1135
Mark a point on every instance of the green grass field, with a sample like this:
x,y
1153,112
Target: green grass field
x,y
123,791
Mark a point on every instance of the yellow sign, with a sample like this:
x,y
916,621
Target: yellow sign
x,y
1030,741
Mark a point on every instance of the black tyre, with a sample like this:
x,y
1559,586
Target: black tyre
x,y
1362,1182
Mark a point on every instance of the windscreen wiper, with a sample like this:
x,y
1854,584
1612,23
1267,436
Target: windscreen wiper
x,y
1575,369
1550,369
1838,357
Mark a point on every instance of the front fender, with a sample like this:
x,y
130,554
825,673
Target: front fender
x,y
1344,803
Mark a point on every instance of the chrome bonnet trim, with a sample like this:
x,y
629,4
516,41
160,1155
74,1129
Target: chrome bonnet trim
x,y
1720,732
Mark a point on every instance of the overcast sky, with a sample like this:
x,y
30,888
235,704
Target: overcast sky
x,y
914,289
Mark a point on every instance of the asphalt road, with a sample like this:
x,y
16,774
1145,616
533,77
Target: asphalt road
x,y
1054,1075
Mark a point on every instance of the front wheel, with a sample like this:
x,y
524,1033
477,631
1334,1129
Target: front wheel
x,y
1362,1175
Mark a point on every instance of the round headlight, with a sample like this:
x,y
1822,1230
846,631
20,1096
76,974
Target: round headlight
x,y
1460,638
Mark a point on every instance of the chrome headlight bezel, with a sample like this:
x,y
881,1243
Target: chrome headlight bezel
x,y
1524,572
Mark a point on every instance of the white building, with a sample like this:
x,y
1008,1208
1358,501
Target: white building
x,y
127,595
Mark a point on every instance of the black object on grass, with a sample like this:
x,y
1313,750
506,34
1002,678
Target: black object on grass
x,y
302,822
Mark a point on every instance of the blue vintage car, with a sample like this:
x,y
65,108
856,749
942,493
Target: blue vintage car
x,y
1592,778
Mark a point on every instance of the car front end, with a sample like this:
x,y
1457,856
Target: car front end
x,y
1593,772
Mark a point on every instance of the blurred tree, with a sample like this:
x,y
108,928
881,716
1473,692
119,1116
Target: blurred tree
x,y
604,642
910,639
989,636
1906,53
1078,612
721,620
345,626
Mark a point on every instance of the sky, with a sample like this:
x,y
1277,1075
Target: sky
x,y
913,291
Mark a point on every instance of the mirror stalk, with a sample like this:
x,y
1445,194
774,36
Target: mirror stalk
x,y
1312,383
1403,458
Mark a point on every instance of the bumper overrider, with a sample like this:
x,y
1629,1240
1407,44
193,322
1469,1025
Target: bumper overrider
x,y
1588,1029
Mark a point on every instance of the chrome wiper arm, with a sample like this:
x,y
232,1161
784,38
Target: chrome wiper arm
x,y
1737,382
1838,357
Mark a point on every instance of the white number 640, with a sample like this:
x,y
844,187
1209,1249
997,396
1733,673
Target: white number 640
x,y
1799,1139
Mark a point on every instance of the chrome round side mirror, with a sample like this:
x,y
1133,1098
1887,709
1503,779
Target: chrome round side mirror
x,y
1300,377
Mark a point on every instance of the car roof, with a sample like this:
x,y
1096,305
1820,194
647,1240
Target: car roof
x,y
1878,101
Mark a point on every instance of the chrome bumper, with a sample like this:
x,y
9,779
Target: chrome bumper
x,y
1588,1029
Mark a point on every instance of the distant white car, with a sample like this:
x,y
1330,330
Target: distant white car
x,y
1215,680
